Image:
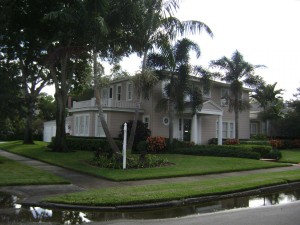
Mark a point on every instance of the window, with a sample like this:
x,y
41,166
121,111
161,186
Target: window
x,y
206,92
146,121
99,132
119,90
227,129
104,93
253,128
110,92
82,125
129,92
224,97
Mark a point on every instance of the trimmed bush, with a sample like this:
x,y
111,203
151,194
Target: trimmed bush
x,y
156,144
237,151
88,144
263,150
255,142
273,154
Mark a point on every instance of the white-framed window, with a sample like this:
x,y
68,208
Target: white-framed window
x,y
99,132
118,92
253,128
82,122
206,93
146,121
129,91
227,129
105,93
224,97
110,92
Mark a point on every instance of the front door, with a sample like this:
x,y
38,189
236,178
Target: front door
x,y
187,129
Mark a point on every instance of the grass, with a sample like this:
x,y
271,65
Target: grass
x,y
175,191
14,173
184,165
291,156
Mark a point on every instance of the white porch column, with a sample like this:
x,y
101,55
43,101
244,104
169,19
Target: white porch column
x,y
220,130
194,136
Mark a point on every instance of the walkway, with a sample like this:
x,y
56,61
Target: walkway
x,y
81,182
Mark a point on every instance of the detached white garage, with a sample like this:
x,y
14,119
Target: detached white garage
x,y
50,129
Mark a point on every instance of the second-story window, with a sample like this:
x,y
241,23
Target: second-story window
x,y
119,90
110,92
224,97
129,92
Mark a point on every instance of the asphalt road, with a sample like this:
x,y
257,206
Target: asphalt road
x,y
286,214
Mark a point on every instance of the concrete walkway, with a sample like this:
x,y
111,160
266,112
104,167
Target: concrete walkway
x,y
80,182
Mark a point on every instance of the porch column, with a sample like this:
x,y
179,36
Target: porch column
x,y
220,130
194,136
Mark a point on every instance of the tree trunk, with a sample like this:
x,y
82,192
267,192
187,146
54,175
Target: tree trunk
x,y
171,121
137,108
28,133
60,144
111,141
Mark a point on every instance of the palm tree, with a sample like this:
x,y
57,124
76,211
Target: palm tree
x,y
173,64
270,101
237,72
157,23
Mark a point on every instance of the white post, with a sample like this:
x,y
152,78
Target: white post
x,y
195,129
124,145
220,130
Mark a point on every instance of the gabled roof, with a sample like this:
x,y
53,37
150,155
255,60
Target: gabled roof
x,y
210,107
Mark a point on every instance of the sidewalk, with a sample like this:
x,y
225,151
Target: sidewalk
x,y
81,182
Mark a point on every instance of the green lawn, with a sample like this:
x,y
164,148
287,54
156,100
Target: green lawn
x,y
292,156
184,165
175,191
14,173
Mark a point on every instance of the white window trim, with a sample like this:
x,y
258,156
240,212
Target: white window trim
x,y
206,95
228,129
86,121
256,128
223,101
99,132
117,93
129,98
112,92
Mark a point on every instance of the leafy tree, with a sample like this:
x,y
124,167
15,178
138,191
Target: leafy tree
x,y
46,107
237,72
270,101
23,42
157,22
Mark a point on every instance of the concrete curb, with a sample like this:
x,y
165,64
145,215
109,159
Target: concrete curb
x,y
172,203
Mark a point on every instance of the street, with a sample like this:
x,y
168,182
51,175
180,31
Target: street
x,y
286,214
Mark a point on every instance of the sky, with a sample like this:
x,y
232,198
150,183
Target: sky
x,y
265,32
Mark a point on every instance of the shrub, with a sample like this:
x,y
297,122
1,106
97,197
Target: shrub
x,y
156,144
142,147
262,150
254,142
258,137
141,133
276,143
296,143
232,142
132,162
87,144
238,151
273,154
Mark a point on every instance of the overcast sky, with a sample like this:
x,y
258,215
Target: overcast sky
x,y
264,31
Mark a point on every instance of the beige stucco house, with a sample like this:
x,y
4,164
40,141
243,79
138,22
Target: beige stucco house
x,y
119,99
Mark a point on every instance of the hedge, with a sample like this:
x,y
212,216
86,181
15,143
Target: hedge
x,y
220,150
87,144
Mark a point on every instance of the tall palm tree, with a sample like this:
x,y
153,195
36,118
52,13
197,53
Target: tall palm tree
x,y
172,62
270,100
237,72
157,22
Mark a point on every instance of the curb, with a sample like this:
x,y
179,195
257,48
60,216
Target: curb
x,y
172,203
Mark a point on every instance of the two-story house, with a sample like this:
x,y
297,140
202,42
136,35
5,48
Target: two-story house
x,y
119,99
